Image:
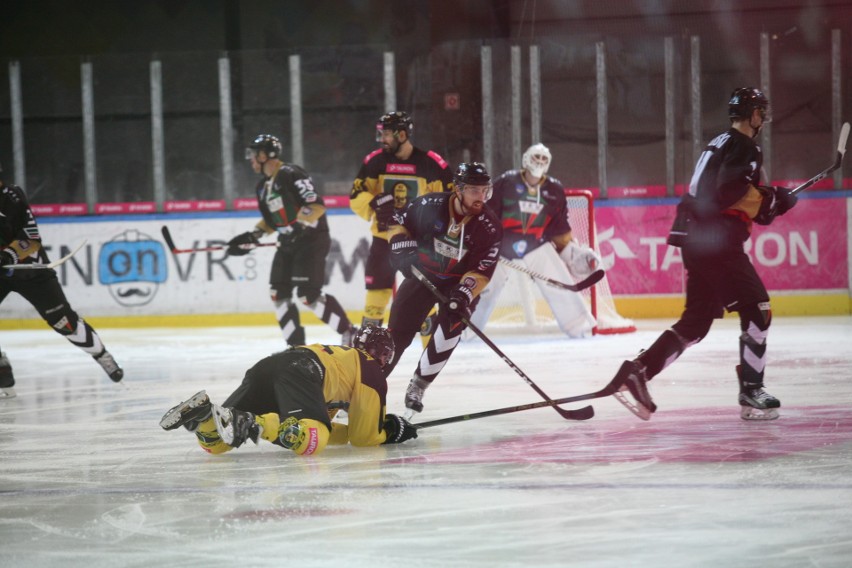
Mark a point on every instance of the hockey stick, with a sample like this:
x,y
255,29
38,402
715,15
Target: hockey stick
x,y
608,390
53,264
841,151
580,414
167,236
589,281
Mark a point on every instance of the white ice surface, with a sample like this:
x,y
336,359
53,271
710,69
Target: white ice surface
x,y
89,479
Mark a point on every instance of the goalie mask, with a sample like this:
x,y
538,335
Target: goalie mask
x,y
536,160
376,342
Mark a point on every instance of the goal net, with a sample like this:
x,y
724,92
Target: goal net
x,y
521,305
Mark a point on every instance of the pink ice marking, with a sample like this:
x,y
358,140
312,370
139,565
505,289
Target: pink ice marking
x,y
696,435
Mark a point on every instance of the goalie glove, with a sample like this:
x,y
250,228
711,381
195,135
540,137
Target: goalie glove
x,y
242,244
581,261
776,201
382,205
398,429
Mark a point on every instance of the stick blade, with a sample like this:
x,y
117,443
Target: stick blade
x,y
584,413
841,142
167,236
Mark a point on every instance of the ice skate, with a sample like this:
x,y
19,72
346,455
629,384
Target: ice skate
x,y
632,376
756,403
189,413
7,379
414,396
235,426
109,365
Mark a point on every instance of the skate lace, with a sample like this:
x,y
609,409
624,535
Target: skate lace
x,y
760,395
107,362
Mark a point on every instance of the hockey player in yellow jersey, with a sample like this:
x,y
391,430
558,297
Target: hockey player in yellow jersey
x,y
289,399
389,179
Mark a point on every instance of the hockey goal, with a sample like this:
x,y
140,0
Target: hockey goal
x,y
521,305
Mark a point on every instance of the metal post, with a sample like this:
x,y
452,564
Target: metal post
x,y
515,71
90,169
158,143
836,98
695,82
535,94
603,141
226,131
17,123
487,108
765,86
296,133
670,116
390,82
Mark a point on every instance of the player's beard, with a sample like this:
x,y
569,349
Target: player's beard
x,y
391,149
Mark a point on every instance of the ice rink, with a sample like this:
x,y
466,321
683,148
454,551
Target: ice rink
x,y
89,478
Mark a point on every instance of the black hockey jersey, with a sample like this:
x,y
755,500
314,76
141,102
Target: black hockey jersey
x,y
18,228
530,216
422,173
281,197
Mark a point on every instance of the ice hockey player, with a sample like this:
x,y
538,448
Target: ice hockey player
x,y
290,206
20,243
454,240
713,221
537,234
388,180
289,399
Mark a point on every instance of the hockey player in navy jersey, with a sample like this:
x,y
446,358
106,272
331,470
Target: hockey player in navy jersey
x,y
713,221
389,179
537,235
454,240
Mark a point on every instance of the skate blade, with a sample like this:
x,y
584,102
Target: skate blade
x,y
751,413
172,418
639,410
409,414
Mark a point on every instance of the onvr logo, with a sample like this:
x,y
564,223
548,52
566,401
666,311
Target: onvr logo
x,y
132,265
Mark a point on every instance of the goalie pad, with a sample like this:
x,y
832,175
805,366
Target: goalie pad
x,y
581,261
570,310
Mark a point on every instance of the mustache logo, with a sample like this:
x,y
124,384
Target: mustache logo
x,y
127,293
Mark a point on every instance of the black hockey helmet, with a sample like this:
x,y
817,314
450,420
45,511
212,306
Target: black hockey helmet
x,y
744,100
471,173
269,144
396,121
376,342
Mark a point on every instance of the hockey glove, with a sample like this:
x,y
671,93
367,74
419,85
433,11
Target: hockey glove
x,y
403,254
398,429
776,201
458,303
242,244
382,205
292,236
8,257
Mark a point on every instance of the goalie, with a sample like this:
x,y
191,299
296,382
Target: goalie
x,y
537,235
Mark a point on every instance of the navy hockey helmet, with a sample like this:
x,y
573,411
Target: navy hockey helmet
x,y
375,341
395,121
744,100
267,143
